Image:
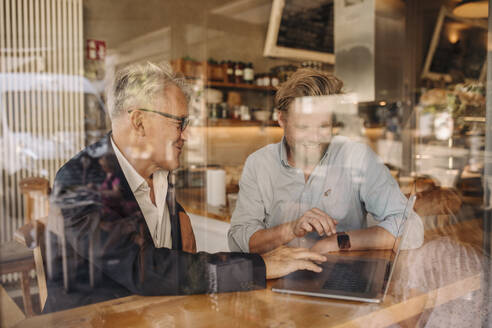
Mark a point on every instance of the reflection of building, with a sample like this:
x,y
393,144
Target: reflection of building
x,y
38,140
369,38
356,66
41,96
457,50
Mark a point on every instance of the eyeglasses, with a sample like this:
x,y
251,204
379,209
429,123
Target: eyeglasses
x,y
183,121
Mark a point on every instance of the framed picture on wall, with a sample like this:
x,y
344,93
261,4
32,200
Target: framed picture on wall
x,y
458,49
301,29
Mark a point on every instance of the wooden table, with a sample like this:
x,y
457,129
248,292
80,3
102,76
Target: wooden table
x,y
266,308
248,309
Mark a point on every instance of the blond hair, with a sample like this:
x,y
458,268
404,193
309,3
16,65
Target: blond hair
x,y
306,82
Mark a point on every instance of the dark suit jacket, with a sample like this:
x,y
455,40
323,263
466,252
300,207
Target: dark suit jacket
x,y
109,234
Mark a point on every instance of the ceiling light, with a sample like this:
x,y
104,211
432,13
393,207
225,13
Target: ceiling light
x,y
472,9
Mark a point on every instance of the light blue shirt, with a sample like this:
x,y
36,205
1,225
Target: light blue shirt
x,y
349,182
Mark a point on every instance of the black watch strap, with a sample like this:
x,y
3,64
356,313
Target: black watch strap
x,y
343,241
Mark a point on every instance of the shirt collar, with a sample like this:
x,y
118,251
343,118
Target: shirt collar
x,y
134,179
283,153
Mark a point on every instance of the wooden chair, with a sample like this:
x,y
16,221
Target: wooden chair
x,y
35,191
32,236
437,206
70,260
44,224
10,314
35,236
24,252
15,257
431,199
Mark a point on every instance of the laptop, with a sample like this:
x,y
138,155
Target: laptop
x,y
347,277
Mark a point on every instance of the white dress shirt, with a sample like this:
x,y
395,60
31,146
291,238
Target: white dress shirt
x,y
156,216
349,181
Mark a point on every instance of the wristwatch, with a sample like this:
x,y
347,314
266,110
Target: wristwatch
x,y
343,241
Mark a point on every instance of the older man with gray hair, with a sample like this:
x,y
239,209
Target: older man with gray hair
x,y
124,231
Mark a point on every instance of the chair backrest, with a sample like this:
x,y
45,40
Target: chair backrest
x,y
32,235
438,201
35,191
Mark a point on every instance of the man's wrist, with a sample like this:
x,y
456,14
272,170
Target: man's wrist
x,y
332,243
326,245
288,232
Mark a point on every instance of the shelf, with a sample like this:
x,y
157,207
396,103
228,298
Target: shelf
x,y
238,123
476,119
240,86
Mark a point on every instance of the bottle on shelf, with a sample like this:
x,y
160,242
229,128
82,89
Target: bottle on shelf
x,y
236,112
239,72
224,113
275,115
214,70
266,80
230,72
245,114
259,79
213,111
249,73
274,81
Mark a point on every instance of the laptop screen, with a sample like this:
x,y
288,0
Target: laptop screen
x,y
402,229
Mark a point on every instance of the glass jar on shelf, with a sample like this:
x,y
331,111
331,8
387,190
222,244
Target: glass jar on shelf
x,y
239,72
249,73
274,81
229,68
266,80
259,79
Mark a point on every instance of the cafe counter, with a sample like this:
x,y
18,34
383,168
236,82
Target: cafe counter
x,y
194,201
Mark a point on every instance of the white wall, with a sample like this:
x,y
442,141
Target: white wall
x,y
210,234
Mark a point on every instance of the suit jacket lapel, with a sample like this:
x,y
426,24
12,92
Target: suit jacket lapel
x,y
170,200
173,215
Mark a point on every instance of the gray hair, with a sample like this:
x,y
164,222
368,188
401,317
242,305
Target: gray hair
x,y
139,84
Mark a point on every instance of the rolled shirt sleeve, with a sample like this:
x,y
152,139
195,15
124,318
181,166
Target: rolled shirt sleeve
x,y
249,215
382,197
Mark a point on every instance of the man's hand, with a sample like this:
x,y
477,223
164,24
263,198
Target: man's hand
x,y
314,219
284,260
326,245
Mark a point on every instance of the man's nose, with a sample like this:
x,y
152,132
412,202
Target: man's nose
x,y
314,135
185,133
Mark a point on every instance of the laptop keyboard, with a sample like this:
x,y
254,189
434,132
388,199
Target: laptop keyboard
x,y
348,277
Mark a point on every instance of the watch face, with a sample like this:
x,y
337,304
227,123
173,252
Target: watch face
x,y
343,241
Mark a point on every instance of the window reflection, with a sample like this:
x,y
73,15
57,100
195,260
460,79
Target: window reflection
x,y
246,175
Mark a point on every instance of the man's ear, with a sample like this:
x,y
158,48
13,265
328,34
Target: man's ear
x,y
282,118
136,122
